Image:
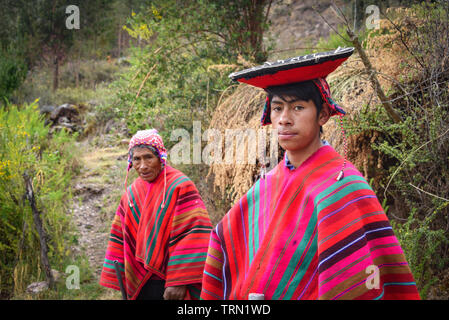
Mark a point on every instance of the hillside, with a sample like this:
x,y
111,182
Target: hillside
x,y
299,25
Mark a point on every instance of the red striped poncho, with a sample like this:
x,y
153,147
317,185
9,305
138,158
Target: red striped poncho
x,y
169,242
301,234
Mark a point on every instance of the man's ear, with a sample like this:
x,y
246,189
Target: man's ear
x,y
324,115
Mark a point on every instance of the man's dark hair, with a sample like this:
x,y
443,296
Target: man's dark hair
x,y
306,91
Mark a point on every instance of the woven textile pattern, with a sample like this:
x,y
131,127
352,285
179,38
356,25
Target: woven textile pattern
x,y
169,242
301,234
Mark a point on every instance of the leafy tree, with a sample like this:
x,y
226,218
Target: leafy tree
x,y
38,30
237,27
240,24
12,72
173,78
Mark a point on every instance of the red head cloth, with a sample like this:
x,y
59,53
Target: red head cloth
x,y
150,138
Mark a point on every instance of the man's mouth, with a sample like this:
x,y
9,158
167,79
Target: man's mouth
x,y
286,134
146,174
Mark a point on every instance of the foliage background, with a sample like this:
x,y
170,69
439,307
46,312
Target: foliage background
x,y
136,64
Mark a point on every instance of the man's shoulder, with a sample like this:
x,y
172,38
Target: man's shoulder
x,y
351,186
179,179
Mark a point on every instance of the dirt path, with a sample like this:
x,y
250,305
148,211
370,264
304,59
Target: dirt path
x,y
97,191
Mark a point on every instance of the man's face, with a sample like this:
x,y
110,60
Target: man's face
x,y
296,121
146,163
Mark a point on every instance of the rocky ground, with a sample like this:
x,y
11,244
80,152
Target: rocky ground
x,y
297,25
97,191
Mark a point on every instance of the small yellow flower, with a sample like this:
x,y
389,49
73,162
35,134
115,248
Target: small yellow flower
x,y
156,13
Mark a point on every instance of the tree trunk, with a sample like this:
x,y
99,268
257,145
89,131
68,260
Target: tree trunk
x,y
40,229
56,73
77,71
119,40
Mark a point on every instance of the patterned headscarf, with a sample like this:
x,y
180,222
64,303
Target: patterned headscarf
x,y
149,138
325,92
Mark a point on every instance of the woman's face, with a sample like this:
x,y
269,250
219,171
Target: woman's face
x,y
146,163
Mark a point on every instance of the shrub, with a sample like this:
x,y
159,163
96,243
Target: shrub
x,y
12,73
26,146
415,151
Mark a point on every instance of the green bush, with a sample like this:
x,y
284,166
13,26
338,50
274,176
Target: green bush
x,y
414,152
421,245
171,81
12,73
27,146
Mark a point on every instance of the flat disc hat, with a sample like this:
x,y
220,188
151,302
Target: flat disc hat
x,y
297,69
315,66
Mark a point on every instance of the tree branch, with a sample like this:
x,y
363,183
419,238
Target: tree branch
x,y
372,75
29,194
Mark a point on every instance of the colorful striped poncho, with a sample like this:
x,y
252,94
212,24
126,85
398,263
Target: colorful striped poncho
x,y
301,234
169,242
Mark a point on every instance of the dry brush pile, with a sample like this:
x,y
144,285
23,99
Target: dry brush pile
x,y
238,108
405,162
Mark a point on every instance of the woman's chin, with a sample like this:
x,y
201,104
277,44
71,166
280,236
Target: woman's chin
x,y
148,177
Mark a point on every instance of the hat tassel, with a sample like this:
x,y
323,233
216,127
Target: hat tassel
x,y
126,186
165,184
345,146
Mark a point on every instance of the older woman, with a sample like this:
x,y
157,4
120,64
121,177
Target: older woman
x,y
160,233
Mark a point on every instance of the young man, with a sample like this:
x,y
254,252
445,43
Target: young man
x,y
311,228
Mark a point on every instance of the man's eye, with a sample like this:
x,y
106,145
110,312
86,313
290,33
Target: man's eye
x,y
277,108
299,107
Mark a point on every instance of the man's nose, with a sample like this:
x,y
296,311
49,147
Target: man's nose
x,y
285,117
143,164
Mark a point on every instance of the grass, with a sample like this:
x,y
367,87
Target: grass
x,y
66,287
102,167
105,168
99,166
95,77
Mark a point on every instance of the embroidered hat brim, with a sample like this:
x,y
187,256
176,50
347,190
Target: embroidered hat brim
x,y
292,70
